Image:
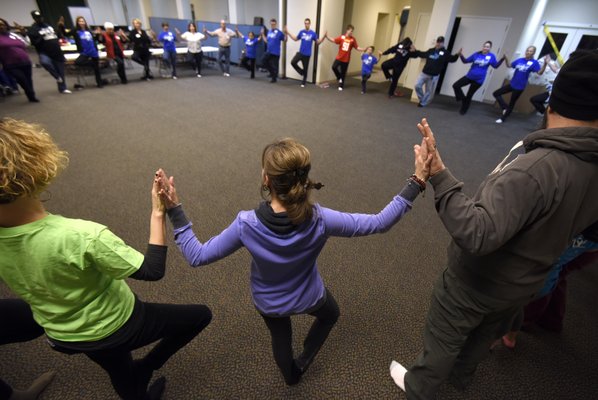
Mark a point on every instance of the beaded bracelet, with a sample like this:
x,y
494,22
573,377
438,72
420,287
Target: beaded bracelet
x,y
422,184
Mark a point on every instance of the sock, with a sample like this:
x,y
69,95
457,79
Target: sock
x,y
397,372
156,389
35,389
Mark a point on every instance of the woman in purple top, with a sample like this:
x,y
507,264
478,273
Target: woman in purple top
x,y
285,236
15,60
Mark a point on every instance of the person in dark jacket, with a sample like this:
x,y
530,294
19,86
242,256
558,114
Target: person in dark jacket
x,y
393,67
141,48
45,40
437,58
507,236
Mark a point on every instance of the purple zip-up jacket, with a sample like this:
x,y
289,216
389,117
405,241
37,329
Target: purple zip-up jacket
x,y
284,272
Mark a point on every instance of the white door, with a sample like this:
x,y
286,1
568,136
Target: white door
x,y
567,38
473,32
297,11
409,76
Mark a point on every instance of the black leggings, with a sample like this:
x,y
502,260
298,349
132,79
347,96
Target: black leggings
x,y
364,80
176,325
397,70
340,71
459,96
249,65
16,325
196,59
507,109
301,71
143,57
281,331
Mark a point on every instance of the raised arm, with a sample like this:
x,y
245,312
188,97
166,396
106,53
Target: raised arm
x,y
546,61
320,40
195,252
499,62
289,34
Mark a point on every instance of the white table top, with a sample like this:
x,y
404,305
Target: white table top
x,y
155,52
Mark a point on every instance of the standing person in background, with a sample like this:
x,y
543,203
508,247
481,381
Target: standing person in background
x,y
15,60
141,48
46,43
523,67
539,100
248,62
437,58
168,39
346,43
307,36
367,65
87,48
114,48
272,55
476,75
403,51
193,39
225,36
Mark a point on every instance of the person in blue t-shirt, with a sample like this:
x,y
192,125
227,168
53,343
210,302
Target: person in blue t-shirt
x,y
87,48
272,56
368,60
168,39
480,61
307,36
523,67
248,62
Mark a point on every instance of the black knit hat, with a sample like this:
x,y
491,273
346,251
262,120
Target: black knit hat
x,y
575,89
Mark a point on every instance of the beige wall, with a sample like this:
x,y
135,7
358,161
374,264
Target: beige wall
x,y
331,19
210,10
575,11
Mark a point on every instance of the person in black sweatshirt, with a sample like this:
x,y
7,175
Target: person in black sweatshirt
x,y
393,67
141,48
436,59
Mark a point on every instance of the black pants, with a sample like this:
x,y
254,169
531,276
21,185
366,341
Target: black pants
x,y
270,62
364,80
281,331
16,325
143,58
249,65
120,69
340,71
459,96
397,70
539,100
176,325
507,109
94,63
305,62
22,74
196,59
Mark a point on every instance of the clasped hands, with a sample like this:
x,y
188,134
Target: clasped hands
x,y
427,159
164,195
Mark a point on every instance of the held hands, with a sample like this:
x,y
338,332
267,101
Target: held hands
x,y
423,159
429,141
166,190
157,206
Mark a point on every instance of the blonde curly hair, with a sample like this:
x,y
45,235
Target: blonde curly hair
x,y
29,159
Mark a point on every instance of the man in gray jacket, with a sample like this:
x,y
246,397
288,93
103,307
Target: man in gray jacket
x,y
506,237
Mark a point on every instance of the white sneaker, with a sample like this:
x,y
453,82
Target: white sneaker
x,y
59,80
66,91
504,111
499,121
302,85
174,77
340,81
199,75
397,372
340,89
226,74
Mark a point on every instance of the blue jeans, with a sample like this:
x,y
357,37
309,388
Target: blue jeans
x,y
224,52
170,60
55,68
426,95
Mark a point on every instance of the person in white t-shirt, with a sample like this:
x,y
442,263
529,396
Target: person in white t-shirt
x,y
193,39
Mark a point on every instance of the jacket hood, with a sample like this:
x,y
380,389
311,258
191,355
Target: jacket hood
x,y
579,141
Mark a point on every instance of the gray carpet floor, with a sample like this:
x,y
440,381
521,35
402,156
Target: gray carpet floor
x,y
209,133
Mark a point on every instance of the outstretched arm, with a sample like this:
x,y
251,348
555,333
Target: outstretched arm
x,y
289,34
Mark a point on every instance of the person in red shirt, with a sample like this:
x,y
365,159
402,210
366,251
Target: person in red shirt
x,y
346,43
